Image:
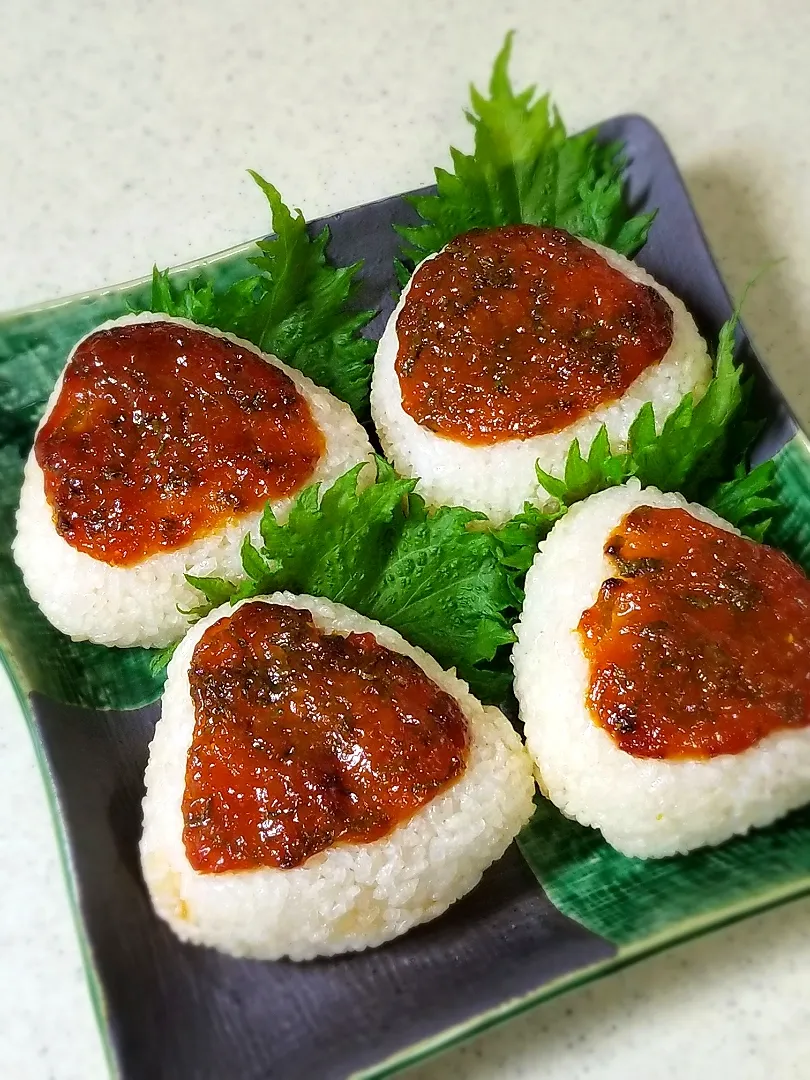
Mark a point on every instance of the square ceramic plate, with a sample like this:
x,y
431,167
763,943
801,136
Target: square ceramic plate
x,y
172,1010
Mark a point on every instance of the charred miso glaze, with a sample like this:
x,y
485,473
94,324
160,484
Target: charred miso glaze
x,y
700,645
518,331
162,434
305,738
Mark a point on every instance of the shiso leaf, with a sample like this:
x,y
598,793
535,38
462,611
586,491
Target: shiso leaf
x,y
519,539
298,306
750,501
160,658
444,587
585,476
525,168
336,544
438,577
214,590
195,302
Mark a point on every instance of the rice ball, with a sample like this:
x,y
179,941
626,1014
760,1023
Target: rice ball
x,y
345,895
649,806
513,342
143,601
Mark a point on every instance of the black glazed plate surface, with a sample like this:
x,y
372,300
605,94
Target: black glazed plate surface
x,y
179,1011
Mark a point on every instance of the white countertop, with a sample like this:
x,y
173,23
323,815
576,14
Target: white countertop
x,y
125,131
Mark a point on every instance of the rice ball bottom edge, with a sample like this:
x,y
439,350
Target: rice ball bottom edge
x,y
350,896
498,479
142,604
644,807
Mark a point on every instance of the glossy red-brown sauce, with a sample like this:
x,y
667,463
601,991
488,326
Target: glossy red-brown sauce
x,y
304,739
700,644
518,331
162,434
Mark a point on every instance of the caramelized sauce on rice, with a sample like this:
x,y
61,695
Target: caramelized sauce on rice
x,y
700,643
304,739
162,434
519,331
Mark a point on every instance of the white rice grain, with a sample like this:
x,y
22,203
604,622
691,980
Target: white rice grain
x,y
644,807
350,896
500,478
142,604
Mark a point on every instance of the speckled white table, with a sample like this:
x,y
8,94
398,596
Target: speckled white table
x,y
125,130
